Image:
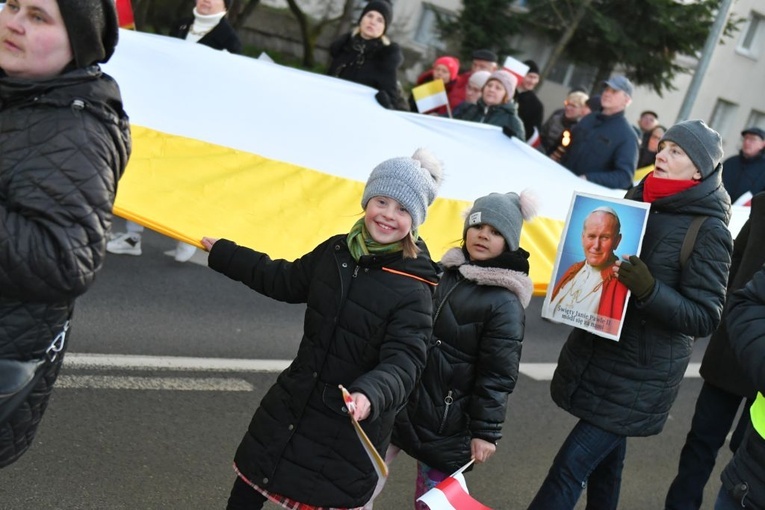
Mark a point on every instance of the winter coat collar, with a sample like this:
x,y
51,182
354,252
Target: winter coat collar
x,y
514,281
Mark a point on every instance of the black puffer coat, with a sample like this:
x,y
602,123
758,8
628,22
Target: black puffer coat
x,y
719,366
366,327
64,143
472,363
746,324
369,62
627,387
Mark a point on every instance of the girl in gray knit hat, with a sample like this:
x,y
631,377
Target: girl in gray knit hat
x,y
367,326
457,410
626,388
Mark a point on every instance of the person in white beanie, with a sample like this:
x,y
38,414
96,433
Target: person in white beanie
x,y
367,326
496,105
457,409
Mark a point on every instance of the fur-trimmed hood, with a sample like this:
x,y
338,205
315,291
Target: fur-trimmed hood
x,y
516,282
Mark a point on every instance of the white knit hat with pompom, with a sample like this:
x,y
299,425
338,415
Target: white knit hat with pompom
x,y
413,182
505,212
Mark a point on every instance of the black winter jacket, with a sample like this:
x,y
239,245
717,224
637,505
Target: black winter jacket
x,y
742,174
221,37
746,323
502,115
472,363
366,327
64,144
719,366
627,387
369,62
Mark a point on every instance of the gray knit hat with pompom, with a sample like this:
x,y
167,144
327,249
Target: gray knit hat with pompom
x,y
413,182
505,212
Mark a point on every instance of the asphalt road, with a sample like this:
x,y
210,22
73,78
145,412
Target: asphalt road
x,y
161,438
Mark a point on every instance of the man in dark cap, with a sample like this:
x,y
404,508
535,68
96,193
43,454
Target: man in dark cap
x,y
744,173
483,60
604,147
530,108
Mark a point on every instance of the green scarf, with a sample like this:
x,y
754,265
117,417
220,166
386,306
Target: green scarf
x,y
360,243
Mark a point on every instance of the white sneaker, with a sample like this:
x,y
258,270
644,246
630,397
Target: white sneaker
x,y
184,252
125,244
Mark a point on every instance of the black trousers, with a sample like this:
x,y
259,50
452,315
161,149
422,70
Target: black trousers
x,y
244,497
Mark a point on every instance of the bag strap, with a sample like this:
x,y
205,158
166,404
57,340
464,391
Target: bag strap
x,y
690,239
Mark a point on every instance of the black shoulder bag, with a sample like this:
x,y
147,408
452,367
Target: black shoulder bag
x,y
18,378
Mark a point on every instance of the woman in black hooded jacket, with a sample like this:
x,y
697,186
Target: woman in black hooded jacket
x,y
366,55
64,143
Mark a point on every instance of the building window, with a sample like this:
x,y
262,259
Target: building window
x,y
573,76
756,118
722,117
753,37
427,32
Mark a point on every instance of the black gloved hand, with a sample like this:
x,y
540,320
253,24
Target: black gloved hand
x,y
383,99
636,276
508,132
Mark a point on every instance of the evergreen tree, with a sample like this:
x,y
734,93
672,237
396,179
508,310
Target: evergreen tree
x,y
643,37
482,24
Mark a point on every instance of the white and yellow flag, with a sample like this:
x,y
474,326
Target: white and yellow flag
x,y
276,158
430,95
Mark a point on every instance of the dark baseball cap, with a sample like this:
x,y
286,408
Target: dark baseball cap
x,y
484,54
754,130
620,82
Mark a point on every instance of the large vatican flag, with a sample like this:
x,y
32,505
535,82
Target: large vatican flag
x,y
276,158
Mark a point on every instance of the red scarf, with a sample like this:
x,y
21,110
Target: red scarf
x,y
656,187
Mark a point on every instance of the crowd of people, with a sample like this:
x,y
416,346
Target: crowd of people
x,y
429,351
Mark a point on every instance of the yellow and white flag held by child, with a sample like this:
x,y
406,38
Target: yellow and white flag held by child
x,y
452,494
430,95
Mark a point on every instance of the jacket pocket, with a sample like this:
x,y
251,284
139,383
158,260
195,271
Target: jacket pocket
x,y
448,401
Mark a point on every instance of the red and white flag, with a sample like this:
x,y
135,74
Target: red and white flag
x,y
516,67
535,140
452,494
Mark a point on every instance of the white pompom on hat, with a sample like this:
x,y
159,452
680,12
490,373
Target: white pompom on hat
x,y
505,212
413,182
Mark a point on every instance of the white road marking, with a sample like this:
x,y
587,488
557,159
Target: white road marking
x,y
536,371
126,361
114,382
544,371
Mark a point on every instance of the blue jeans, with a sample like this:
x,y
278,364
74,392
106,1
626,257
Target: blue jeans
x,y
712,420
727,502
589,458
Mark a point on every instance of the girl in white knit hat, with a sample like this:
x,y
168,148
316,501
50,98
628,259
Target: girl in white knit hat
x,y
367,325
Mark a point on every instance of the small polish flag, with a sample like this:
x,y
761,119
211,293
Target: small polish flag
x,y
452,494
125,14
430,95
515,66
535,140
745,199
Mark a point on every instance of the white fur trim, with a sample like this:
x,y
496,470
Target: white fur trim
x,y
515,281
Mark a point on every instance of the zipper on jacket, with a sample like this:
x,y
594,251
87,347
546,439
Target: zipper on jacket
x,y
448,400
355,271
